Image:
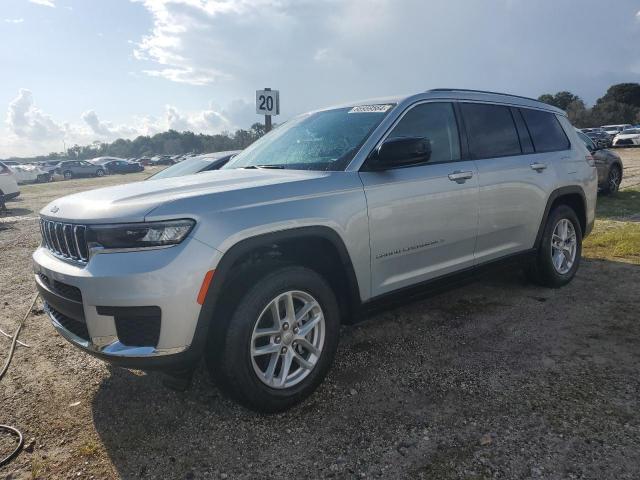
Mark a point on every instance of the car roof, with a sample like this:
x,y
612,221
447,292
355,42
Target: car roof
x,y
455,94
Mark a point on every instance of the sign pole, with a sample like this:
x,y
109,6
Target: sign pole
x,y
268,104
267,118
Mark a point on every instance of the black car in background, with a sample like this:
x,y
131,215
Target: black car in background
x,y
122,166
200,163
162,160
601,138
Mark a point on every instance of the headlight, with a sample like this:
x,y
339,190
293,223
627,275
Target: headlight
x,y
139,235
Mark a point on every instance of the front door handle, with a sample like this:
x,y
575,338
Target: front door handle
x,y
460,177
538,167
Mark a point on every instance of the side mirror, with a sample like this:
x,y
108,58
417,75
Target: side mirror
x,y
400,152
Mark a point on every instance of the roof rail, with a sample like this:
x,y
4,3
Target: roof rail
x,y
480,91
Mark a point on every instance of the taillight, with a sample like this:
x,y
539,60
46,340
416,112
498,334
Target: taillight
x,y
590,160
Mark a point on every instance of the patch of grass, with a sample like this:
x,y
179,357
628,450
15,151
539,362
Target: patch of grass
x,y
616,233
89,449
624,204
39,467
614,240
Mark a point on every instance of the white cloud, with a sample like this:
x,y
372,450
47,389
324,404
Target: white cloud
x,y
14,20
107,130
25,120
30,131
187,75
44,3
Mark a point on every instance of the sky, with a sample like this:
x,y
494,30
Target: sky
x,y
79,71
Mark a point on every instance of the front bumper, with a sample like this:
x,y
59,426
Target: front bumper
x,y
96,306
12,195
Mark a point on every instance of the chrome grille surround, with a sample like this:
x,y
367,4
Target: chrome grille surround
x,y
65,240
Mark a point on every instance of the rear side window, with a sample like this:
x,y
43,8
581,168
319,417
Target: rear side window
x,y
491,130
437,123
546,132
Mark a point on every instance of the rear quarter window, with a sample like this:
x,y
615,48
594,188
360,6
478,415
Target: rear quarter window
x,y
491,130
545,130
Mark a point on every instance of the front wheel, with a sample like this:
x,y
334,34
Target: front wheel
x,y
68,175
280,341
560,249
100,173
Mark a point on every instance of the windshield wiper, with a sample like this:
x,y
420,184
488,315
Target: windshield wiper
x,y
277,167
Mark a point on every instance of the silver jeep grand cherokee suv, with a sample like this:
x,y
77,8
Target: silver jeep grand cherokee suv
x,y
255,266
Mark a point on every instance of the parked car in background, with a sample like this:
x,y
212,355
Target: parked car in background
x,y
200,163
144,161
122,166
600,137
28,173
79,168
613,130
162,160
103,160
8,184
608,164
49,166
629,137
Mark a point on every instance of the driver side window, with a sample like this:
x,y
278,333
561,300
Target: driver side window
x,y
437,123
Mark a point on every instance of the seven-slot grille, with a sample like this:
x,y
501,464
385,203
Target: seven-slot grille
x,y
65,239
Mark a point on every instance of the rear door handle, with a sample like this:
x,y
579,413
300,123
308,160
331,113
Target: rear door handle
x,y
459,176
538,167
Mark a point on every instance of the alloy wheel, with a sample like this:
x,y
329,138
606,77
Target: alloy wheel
x,y
287,339
614,180
564,244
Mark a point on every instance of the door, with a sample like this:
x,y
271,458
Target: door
x,y
515,175
85,168
422,218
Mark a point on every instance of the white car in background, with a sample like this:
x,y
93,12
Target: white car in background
x,y
629,137
27,173
614,130
8,184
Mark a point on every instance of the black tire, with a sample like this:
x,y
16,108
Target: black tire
x,y
68,175
228,354
99,173
543,272
614,177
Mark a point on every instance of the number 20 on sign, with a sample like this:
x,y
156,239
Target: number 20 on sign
x,y
267,102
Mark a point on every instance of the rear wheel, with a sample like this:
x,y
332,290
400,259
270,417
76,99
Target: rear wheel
x,y
280,341
68,175
99,173
560,249
614,178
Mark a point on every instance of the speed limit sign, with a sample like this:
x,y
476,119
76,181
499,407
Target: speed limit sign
x,y
267,102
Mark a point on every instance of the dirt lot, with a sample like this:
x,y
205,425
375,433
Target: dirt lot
x,y
497,379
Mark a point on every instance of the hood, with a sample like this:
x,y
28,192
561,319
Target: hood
x,y
133,201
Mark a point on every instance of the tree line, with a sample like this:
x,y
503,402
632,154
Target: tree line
x,y
170,142
620,104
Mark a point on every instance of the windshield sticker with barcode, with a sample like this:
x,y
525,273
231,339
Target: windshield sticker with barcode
x,y
370,109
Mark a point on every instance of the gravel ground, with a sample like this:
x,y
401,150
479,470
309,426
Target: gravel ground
x,y
496,379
